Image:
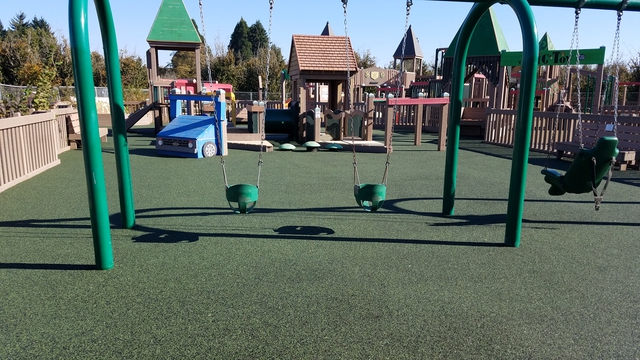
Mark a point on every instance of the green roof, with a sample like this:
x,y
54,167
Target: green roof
x,y
173,24
545,43
487,38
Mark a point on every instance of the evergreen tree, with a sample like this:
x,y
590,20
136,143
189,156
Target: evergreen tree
x,y
40,23
257,37
239,43
19,23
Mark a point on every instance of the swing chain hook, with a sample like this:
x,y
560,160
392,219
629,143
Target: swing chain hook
x,y
623,6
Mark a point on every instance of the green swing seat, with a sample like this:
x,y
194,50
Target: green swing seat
x,y
587,170
242,198
370,196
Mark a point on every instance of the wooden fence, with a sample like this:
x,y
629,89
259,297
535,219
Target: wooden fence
x,y
501,125
30,145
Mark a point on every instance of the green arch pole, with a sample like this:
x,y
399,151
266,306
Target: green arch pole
x,y
524,115
91,150
116,101
632,5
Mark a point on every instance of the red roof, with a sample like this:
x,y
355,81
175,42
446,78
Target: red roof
x,y
323,53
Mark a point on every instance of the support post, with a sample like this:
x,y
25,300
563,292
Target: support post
x,y
598,104
388,124
417,136
442,133
367,132
302,125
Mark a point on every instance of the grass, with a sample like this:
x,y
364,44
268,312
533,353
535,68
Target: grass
x,y
309,275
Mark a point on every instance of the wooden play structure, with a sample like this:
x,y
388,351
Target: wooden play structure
x,y
320,60
73,131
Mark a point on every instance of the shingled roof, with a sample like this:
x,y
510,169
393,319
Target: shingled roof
x,y
321,53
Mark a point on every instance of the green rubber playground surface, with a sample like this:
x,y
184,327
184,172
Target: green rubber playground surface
x,y
309,275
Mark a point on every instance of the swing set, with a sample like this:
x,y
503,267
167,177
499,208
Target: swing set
x,y
369,196
590,166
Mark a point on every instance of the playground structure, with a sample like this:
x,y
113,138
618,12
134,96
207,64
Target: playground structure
x,y
90,135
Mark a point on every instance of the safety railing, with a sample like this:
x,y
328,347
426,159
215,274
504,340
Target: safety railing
x,y
30,145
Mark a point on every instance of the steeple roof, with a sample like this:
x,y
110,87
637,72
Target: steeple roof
x,y
173,24
487,38
412,48
545,43
327,30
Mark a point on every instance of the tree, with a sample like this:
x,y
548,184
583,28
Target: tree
x,y
257,66
239,43
225,70
134,76
14,55
40,23
258,37
19,23
44,96
25,48
64,66
99,69
365,60
183,64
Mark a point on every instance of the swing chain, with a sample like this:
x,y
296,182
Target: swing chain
x,y
206,45
215,115
266,94
576,37
222,162
266,81
618,59
562,95
401,77
597,198
356,176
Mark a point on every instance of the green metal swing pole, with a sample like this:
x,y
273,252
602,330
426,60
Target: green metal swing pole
x,y
524,115
116,101
631,5
91,150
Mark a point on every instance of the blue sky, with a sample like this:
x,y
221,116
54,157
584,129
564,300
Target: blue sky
x,y
375,25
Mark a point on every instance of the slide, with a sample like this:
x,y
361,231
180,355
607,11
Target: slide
x,y
136,116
